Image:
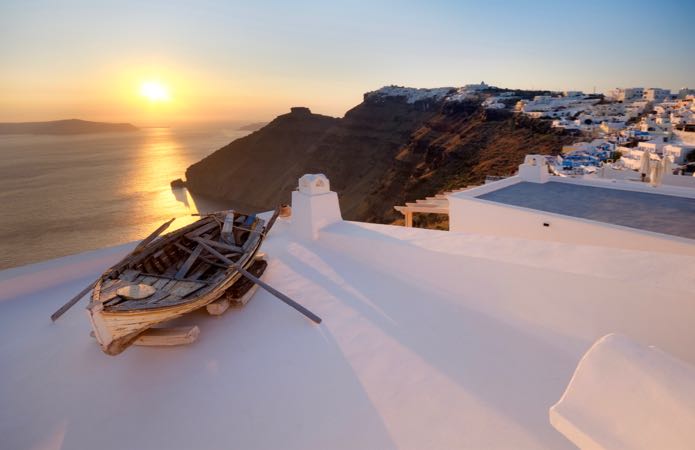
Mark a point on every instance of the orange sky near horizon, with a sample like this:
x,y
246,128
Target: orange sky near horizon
x,y
114,95
250,61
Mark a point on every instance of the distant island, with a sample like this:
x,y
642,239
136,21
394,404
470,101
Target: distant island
x,y
69,126
253,126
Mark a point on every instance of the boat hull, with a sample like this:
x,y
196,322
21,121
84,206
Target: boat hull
x,y
116,331
117,322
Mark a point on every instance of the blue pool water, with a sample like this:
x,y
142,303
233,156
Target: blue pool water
x,y
652,212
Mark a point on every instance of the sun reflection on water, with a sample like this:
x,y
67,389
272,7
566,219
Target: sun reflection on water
x,y
160,159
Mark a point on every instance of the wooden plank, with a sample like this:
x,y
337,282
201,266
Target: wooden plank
x,y
105,284
148,278
418,207
189,262
202,258
203,229
157,337
218,307
160,298
253,236
169,300
183,247
199,271
129,275
214,252
145,242
184,288
443,203
220,245
432,209
159,284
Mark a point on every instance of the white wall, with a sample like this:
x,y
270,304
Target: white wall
x,y
613,174
668,179
678,180
484,217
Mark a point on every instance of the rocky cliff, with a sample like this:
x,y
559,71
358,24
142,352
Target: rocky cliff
x,y
398,145
259,170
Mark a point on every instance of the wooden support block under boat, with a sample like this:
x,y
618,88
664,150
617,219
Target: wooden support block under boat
x,y
240,292
238,289
246,297
166,336
155,337
218,307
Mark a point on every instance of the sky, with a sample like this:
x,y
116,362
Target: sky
x,y
252,60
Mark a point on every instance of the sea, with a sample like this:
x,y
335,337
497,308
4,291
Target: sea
x,y
62,195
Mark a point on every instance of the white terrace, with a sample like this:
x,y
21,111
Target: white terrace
x,y
429,339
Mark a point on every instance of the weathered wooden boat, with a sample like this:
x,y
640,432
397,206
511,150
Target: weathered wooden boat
x,y
175,274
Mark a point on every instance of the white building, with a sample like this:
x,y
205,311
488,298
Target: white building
x,y
684,92
611,127
677,152
627,94
656,94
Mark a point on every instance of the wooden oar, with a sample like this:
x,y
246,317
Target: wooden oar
x,y
272,220
262,284
144,243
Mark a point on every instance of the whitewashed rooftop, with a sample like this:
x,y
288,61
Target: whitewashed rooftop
x,y
429,340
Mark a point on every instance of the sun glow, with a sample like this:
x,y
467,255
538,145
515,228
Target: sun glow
x,y
155,91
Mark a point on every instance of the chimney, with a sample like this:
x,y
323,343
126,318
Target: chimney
x,y
314,206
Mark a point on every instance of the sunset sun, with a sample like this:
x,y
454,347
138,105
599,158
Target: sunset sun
x,y
155,91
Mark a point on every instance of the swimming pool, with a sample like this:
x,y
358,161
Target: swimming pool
x,y
665,214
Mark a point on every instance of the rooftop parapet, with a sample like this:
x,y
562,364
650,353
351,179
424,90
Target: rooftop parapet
x,y
627,395
534,169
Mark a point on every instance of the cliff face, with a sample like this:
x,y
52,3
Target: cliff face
x,y
459,147
396,146
259,170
